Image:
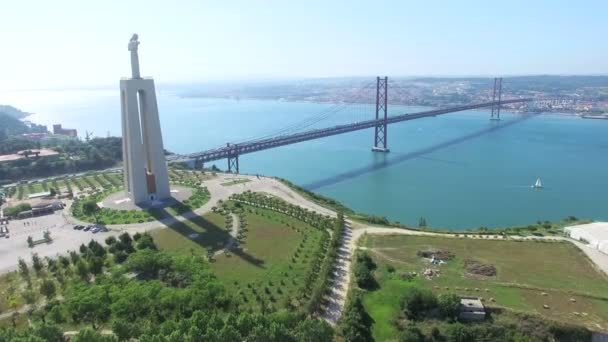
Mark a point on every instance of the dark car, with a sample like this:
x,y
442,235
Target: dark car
x,y
87,228
78,227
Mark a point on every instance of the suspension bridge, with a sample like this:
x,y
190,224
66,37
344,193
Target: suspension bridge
x,y
301,131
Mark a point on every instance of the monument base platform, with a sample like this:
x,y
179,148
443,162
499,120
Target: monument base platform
x,y
121,201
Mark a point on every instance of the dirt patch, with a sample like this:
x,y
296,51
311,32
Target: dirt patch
x,y
478,268
441,254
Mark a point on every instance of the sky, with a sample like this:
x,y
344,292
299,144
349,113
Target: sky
x,y
83,43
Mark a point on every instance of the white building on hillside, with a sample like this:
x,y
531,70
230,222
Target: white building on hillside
x,y
594,234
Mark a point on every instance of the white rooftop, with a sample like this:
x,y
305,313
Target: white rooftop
x,y
599,230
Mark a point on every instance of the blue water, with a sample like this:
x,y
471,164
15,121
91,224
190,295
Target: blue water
x,y
458,171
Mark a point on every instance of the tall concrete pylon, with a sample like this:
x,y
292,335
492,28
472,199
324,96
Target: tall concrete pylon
x,y
145,168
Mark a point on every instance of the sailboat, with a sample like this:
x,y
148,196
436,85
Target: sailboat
x,y
538,184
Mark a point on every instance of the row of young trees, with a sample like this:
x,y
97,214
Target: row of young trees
x,y
318,279
329,263
274,203
146,294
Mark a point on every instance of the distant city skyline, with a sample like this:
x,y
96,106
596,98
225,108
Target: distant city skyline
x,y
67,44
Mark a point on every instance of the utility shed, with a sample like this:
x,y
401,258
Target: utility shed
x,y
595,235
471,309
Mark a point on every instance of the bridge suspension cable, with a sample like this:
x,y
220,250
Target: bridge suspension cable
x,y
315,119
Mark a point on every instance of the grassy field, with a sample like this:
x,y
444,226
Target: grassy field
x,y
529,276
212,235
270,267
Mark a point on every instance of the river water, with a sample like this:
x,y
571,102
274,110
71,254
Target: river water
x,y
457,171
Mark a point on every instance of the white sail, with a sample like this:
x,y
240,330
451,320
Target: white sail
x,y
538,183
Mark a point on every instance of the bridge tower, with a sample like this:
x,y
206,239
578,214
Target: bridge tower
x,y
496,107
233,158
380,134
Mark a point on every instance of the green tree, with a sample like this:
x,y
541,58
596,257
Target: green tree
x,y
47,236
82,270
90,335
23,269
363,271
64,261
411,333
47,289
48,332
29,297
146,241
458,332
125,238
56,314
37,263
147,262
97,249
314,330
90,208
449,305
356,325
120,257
95,265
417,302
124,330
110,240
30,242
88,303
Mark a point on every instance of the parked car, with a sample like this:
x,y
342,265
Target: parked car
x,y
78,227
87,228
96,230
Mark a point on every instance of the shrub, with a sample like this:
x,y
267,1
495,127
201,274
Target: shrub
x,y
449,305
417,302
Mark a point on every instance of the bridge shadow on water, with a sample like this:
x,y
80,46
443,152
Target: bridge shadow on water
x,y
210,236
421,153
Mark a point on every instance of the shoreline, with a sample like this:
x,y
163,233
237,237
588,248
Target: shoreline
x,y
508,110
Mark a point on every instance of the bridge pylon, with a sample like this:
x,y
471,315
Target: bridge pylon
x,y
380,133
233,159
497,93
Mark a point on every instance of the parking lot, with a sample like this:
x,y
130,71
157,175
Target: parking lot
x,y
63,234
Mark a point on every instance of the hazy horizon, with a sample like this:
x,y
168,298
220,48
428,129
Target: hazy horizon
x,y
199,41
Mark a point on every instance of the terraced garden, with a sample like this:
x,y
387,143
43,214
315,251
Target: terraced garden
x,y
89,183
